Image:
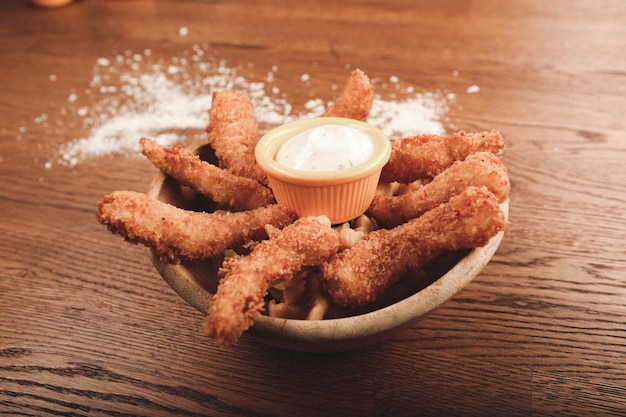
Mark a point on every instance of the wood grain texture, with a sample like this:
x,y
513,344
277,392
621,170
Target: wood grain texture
x,y
87,327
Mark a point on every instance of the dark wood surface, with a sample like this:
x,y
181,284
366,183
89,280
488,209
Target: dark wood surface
x,y
87,326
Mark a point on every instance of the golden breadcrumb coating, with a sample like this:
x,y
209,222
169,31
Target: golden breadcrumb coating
x,y
232,133
175,234
221,186
245,280
478,169
424,156
357,276
355,99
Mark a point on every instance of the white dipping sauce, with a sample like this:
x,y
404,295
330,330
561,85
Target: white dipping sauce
x,y
326,148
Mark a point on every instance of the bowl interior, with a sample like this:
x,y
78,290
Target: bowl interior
x,y
397,309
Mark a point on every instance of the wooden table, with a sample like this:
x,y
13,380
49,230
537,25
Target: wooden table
x,y
87,326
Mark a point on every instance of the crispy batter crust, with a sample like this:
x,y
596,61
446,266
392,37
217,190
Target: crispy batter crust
x,y
175,234
355,100
245,280
456,208
223,187
357,276
478,169
232,132
424,156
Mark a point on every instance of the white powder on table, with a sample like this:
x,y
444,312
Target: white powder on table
x,y
133,95
473,89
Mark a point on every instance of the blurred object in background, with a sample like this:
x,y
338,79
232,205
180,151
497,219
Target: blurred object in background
x,y
51,3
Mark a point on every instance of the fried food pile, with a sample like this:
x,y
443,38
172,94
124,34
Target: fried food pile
x,y
437,194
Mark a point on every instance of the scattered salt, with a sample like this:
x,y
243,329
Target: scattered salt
x,y
137,95
473,89
420,114
183,31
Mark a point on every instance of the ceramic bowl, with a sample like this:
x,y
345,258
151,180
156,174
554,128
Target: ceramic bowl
x,y
397,310
340,195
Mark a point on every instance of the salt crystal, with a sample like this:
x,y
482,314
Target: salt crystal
x,y
103,62
304,77
183,31
473,89
420,114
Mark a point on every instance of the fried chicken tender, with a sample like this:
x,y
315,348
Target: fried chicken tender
x,y
424,156
357,276
355,100
232,133
223,187
478,169
175,234
245,280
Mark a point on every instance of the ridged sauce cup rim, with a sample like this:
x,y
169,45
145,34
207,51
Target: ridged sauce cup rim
x,y
268,145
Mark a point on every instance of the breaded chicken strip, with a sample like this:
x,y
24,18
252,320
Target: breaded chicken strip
x,y
223,187
245,280
355,99
357,276
175,234
424,156
478,169
232,133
